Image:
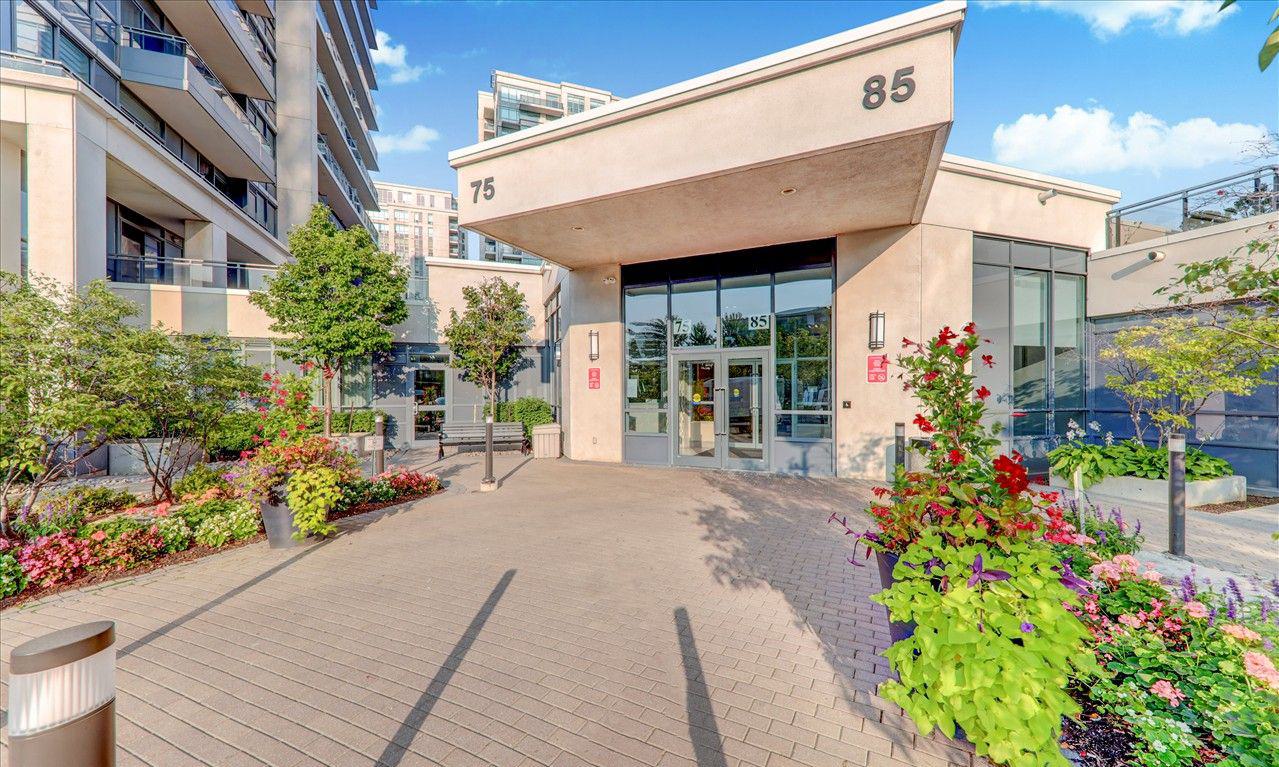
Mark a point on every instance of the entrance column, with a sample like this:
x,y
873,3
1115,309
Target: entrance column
x,y
592,389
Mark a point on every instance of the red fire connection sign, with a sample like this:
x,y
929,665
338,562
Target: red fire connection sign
x,y
593,378
877,368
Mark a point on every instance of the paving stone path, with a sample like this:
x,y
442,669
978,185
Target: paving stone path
x,y
582,614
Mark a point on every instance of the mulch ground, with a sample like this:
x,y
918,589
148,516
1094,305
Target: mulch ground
x,y
1097,742
1252,502
188,555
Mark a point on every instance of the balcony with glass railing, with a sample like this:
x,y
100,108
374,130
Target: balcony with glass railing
x,y
1243,195
185,272
347,198
174,82
547,104
331,122
220,30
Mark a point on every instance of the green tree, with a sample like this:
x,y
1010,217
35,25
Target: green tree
x,y
335,301
1182,363
484,341
1269,48
187,386
67,371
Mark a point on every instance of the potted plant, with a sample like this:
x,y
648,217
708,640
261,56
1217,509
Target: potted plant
x,y
296,485
984,643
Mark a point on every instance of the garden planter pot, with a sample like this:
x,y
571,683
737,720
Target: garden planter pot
x,y
886,562
1154,492
277,518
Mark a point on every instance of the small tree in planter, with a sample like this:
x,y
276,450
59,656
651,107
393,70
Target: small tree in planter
x,y
67,382
334,302
484,344
984,642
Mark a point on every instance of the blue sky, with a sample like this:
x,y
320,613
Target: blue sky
x,y
1146,96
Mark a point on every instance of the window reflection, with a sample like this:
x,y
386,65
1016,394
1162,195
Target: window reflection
x,y
693,313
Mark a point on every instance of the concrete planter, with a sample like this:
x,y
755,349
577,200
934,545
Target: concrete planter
x,y
546,441
124,458
1154,492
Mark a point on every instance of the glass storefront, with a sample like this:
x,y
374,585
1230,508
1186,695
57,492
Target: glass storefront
x,y
1028,299
728,360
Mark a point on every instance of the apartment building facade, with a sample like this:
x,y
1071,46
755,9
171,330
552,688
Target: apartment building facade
x,y
416,223
514,103
168,146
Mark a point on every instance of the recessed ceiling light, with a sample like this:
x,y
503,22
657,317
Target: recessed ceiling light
x,y
578,228
788,190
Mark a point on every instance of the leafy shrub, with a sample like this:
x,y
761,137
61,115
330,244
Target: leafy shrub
x,y
1130,459
348,421
58,558
130,547
313,492
404,482
198,479
530,411
195,513
112,527
174,532
240,521
68,510
12,579
1192,675
234,434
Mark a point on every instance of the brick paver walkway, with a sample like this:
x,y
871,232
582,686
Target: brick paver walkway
x,y
582,614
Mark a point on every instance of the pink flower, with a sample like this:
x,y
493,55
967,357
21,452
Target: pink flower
x,y
1152,576
1164,689
1131,621
1261,668
99,536
1242,633
1127,563
1196,610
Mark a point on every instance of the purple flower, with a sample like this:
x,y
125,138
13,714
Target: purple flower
x,y
1231,611
980,574
1101,536
1274,586
1212,616
1233,585
1138,529
1072,581
1265,608
1188,590
1027,627
1269,644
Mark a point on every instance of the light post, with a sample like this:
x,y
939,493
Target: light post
x,y
379,444
1177,495
62,698
488,483
899,445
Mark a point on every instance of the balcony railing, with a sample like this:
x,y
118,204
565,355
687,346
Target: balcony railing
x,y
186,272
516,99
172,45
326,154
327,93
25,63
1243,195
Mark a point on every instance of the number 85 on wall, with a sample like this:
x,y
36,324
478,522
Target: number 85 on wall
x,y
877,89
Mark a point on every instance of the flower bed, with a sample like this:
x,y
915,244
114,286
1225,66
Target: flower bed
x,y
1018,621
70,551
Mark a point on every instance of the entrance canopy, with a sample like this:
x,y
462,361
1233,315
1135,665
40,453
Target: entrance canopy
x,y
837,135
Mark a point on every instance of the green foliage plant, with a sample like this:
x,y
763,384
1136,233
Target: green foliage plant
x,y
994,645
240,520
313,493
12,578
529,411
335,301
1130,459
199,479
174,532
68,378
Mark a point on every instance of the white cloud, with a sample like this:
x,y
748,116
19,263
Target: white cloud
x,y
415,139
1107,18
395,58
1074,140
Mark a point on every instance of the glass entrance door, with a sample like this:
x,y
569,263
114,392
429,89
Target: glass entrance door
x,y
720,409
428,403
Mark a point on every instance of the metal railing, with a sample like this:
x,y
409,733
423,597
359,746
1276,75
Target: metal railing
x,y
172,45
25,63
348,189
327,94
186,272
1242,195
231,8
516,99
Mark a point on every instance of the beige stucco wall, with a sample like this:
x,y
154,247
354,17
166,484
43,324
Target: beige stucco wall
x,y
10,202
592,418
445,279
1124,279
920,277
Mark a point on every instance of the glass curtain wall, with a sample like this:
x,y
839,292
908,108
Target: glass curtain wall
x,y
733,301
1028,299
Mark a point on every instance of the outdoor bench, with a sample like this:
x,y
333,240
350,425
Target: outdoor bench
x,y
470,436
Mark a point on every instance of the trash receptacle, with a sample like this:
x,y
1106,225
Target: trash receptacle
x,y
546,441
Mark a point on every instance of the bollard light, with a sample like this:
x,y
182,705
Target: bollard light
x,y
1177,495
62,698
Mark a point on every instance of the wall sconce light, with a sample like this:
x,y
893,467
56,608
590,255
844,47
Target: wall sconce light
x,y
876,334
594,336
1046,195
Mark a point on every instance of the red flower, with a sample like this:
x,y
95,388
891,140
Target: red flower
x,y
956,457
982,392
907,343
301,427
266,376
880,492
961,350
1010,475
988,360
970,328
945,337
924,424
931,376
